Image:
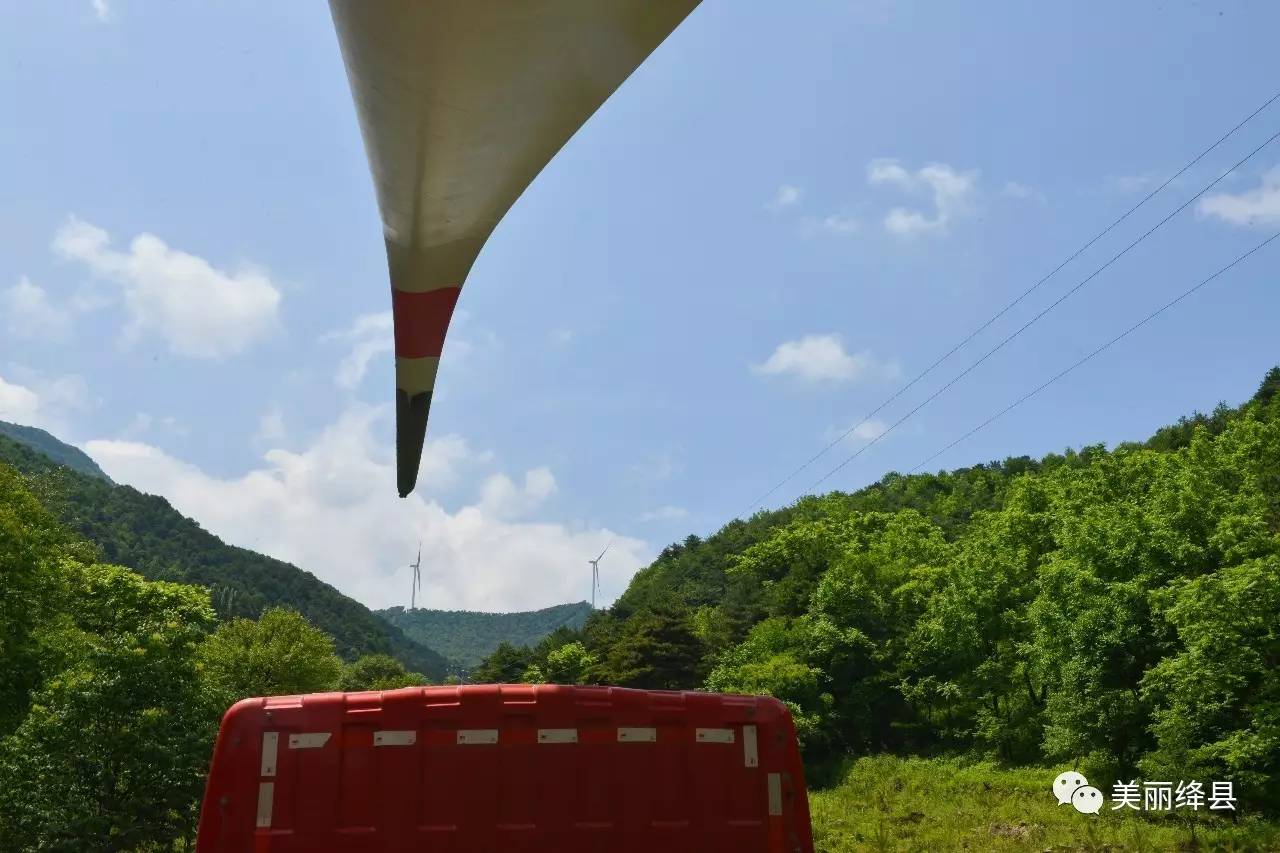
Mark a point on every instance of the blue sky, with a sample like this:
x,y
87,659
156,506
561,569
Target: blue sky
x,y
788,211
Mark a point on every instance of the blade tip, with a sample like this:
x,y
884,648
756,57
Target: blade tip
x,y
411,435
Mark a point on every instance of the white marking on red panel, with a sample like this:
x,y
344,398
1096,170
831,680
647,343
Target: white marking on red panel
x,y
557,735
471,737
266,794
270,743
395,738
750,753
309,740
637,734
714,735
775,793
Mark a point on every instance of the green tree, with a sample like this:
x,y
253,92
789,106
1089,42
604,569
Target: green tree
x,y
32,546
784,569
966,667
533,674
113,752
281,654
560,637
505,665
1217,700
655,650
770,662
569,664
860,614
378,672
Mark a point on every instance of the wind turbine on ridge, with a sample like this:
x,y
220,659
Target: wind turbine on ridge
x,y
416,565
595,574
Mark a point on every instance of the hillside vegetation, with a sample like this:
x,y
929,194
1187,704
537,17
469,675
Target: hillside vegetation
x,y
946,642
57,451
111,688
1114,610
149,536
466,637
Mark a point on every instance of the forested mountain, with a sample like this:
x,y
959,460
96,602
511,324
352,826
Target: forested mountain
x,y
111,688
466,637
145,533
1116,610
60,452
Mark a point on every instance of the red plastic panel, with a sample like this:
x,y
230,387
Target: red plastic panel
x,y
520,768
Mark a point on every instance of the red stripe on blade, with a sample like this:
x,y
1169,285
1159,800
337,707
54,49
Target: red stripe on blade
x,y
421,320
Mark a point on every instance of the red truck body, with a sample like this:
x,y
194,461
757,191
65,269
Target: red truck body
x,y
487,768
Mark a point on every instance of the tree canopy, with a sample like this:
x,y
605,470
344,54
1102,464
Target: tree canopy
x,y
1109,609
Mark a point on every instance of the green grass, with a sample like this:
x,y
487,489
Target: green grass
x,y
913,804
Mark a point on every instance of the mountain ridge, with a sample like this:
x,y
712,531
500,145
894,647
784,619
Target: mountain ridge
x,y
465,637
51,446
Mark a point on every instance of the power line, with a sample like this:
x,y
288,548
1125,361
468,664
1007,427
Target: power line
x,y
1046,310
1010,305
1100,349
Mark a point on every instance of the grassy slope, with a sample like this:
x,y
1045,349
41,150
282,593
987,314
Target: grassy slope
x,y
146,534
466,637
915,804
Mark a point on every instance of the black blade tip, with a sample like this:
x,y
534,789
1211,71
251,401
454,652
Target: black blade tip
x,y
411,433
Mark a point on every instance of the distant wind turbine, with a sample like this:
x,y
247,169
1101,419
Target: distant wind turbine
x,y
416,565
595,575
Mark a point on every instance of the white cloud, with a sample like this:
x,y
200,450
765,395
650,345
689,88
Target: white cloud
x,y
1013,189
30,314
502,498
42,401
144,423
141,423
1259,206
271,428
562,337
199,310
444,458
665,513
863,431
659,466
1136,183
100,9
838,223
822,358
19,404
868,430
370,336
64,393
786,196
332,509
951,191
